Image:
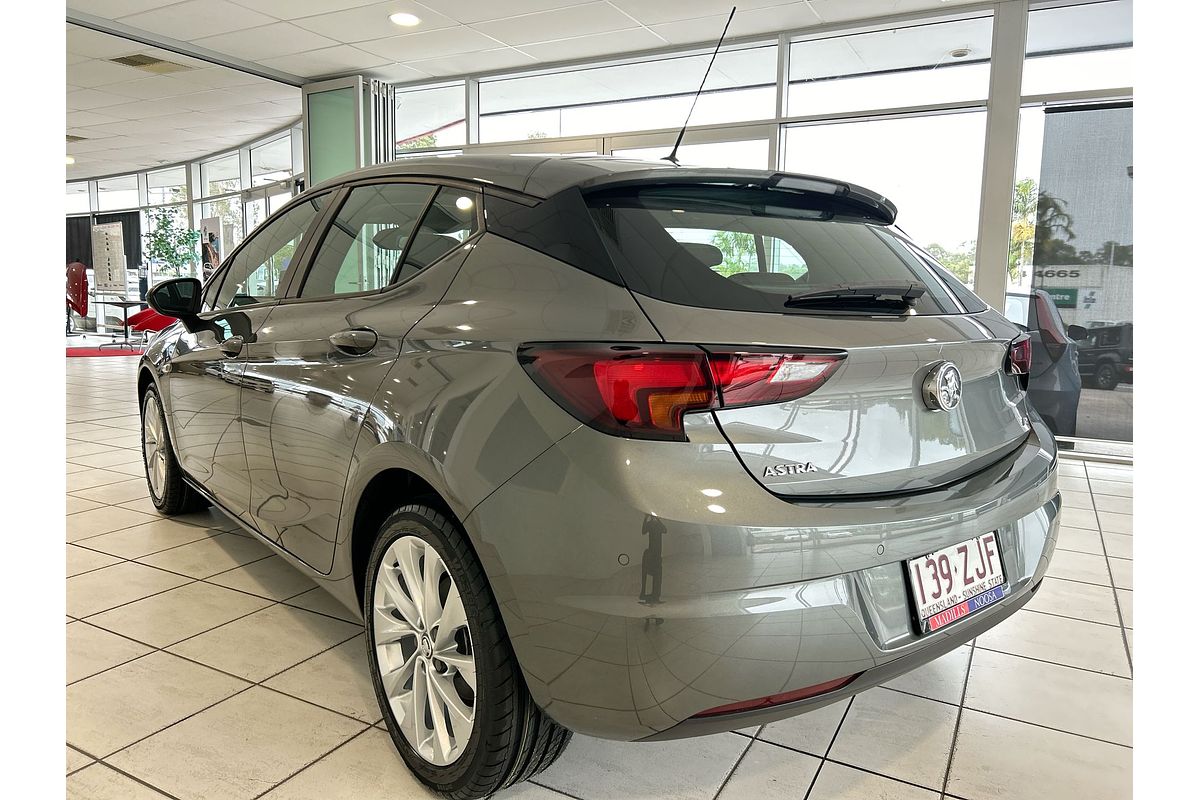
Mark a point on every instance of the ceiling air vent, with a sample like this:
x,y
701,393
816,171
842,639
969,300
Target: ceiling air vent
x,y
71,138
149,64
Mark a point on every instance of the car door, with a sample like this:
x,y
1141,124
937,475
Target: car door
x,y
314,369
202,379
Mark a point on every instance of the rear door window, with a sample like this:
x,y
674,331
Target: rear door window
x,y
752,249
365,243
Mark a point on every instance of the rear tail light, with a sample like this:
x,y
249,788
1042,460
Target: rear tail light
x,y
643,391
779,699
1020,359
1054,339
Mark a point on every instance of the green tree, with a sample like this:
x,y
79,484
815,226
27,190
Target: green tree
x,y
738,251
170,243
418,142
1053,232
960,262
1024,215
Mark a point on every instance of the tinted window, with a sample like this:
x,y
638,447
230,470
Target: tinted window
x,y
451,220
364,245
750,249
261,269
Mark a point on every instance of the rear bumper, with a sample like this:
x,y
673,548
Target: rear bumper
x,y
635,601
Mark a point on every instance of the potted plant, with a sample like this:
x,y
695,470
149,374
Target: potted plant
x,y
170,244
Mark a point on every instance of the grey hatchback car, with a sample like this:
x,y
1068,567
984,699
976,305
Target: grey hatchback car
x,y
617,447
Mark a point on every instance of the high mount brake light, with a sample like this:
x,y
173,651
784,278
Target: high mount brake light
x,y
643,391
1020,359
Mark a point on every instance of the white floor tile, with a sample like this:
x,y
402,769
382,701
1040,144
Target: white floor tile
x,y
1007,760
897,735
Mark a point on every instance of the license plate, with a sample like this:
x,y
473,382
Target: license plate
x,y
950,583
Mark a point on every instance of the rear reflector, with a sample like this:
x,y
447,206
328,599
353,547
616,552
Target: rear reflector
x,y
779,699
643,391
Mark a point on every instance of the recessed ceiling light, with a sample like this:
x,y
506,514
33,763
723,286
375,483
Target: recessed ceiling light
x,y
70,160
405,20
464,203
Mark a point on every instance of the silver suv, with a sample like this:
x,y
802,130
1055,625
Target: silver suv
x,y
617,447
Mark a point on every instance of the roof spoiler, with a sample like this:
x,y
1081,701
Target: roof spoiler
x,y
873,204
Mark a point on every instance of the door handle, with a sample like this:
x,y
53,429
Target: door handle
x,y
355,341
232,347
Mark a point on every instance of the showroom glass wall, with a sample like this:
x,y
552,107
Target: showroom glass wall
x,y
900,106
226,195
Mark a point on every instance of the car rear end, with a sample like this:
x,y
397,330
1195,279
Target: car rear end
x,y
822,473
1054,375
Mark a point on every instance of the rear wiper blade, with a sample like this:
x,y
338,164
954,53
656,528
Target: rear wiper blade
x,y
885,294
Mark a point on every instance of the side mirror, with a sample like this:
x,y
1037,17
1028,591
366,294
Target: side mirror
x,y
1077,332
178,298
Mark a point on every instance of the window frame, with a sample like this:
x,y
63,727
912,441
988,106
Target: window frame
x,y
217,281
437,183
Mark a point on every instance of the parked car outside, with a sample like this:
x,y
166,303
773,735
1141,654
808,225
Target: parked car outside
x,y
1054,378
1106,356
616,447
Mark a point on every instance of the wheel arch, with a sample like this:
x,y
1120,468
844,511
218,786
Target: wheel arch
x,y
387,490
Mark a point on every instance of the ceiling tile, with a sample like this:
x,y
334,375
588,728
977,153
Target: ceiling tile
x,y
294,9
627,41
215,78
371,22
86,42
79,119
431,44
84,99
269,41
327,61
661,11
94,73
151,88
398,73
482,61
468,11
111,9
561,23
195,19
752,22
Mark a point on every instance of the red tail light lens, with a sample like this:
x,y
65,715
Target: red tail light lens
x,y
1053,339
644,391
1020,359
779,699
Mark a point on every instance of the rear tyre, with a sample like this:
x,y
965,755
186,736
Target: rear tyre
x,y
164,477
444,673
1106,377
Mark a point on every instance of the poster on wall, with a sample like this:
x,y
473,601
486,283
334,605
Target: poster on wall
x,y
108,259
210,244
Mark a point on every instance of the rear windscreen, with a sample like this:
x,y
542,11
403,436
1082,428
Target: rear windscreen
x,y
752,249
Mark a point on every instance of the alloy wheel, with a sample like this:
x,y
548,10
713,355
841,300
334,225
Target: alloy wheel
x,y
154,446
423,646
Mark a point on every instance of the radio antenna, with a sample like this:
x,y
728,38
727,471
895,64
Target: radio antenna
x,y
673,158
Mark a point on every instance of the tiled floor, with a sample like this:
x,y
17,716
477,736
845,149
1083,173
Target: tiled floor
x,y
201,666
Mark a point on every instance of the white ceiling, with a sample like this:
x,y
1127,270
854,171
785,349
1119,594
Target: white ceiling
x,y
131,119
134,121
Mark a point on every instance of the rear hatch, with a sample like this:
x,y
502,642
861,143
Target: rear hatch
x,y
777,270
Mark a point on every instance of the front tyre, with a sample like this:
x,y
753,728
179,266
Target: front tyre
x,y
164,477
445,676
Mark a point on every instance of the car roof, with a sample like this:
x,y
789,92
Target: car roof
x,y
542,175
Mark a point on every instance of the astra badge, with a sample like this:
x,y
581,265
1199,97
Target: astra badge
x,y
779,470
942,389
